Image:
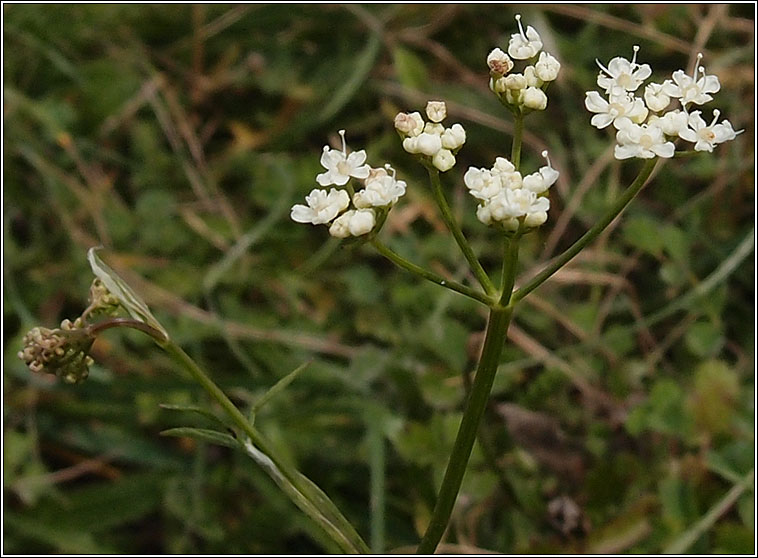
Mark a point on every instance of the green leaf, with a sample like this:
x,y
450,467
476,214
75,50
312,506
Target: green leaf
x,y
278,387
126,296
193,409
204,435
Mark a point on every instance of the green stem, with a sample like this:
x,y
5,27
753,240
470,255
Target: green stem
x,y
343,534
452,225
591,234
497,327
401,262
518,132
510,261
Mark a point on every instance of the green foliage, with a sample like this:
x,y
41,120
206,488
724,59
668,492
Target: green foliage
x,y
178,137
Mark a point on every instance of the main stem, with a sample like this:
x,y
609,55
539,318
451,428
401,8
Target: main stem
x,y
497,327
452,225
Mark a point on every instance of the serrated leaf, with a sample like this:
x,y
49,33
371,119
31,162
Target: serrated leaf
x,y
204,435
126,296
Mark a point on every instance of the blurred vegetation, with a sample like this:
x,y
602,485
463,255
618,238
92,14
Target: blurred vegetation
x,y
179,136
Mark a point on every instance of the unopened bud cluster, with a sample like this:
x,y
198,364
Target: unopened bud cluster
x,y
647,126
524,90
436,144
64,351
346,213
509,200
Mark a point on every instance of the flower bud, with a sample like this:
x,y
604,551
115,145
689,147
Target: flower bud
x,y
434,128
531,78
454,137
499,63
535,219
535,98
443,160
353,223
436,110
428,144
547,67
515,81
410,144
409,124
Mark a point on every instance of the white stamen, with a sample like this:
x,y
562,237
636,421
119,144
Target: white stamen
x,y
636,49
389,168
547,158
716,114
606,70
520,28
344,145
697,64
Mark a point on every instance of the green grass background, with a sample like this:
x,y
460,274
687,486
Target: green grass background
x,y
179,136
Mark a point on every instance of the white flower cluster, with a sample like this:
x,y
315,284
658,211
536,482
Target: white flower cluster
x,y
526,89
645,126
380,192
506,198
431,139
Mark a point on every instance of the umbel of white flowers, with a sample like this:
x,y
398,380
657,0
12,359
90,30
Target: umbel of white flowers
x,y
431,141
523,91
381,190
509,200
647,126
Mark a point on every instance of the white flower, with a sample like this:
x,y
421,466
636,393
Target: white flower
x,y
382,190
499,62
340,166
409,124
322,207
443,160
706,136
353,223
454,137
535,98
672,122
536,218
483,184
641,140
510,178
547,67
623,75
434,128
428,144
539,182
656,97
689,89
498,85
524,45
436,110
512,204
623,105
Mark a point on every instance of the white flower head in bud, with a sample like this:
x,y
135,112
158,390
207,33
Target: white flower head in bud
x,y
409,124
644,141
622,75
706,136
382,189
524,44
620,106
436,110
499,63
340,166
540,181
655,95
322,207
547,67
454,137
443,160
535,98
355,222
690,89
483,184
428,144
